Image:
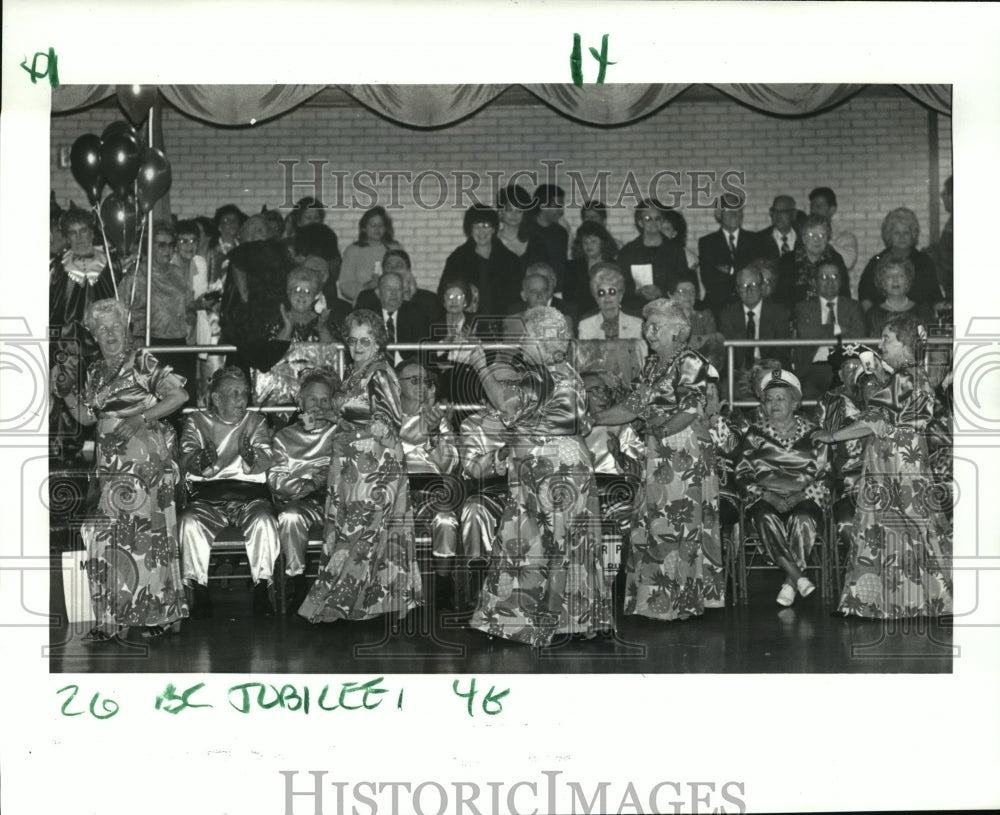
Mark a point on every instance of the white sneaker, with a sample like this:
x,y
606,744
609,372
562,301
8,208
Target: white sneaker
x,y
786,596
805,586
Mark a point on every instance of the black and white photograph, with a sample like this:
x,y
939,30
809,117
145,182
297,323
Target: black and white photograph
x,y
388,439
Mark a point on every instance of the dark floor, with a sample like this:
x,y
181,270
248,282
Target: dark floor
x,y
759,638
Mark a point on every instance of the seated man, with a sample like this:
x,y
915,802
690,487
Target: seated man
x,y
225,452
825,316
297,477
431,460
752,317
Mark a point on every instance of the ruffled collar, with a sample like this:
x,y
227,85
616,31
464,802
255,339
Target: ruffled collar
x,y
84,270
802,427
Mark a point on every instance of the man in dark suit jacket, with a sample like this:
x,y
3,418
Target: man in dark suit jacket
x,y
403,321
770,321
723,253
825,316
780,238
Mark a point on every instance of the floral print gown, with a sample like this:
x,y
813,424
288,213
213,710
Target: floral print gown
x,y
545,575
674,568
133,557
371,567
899,564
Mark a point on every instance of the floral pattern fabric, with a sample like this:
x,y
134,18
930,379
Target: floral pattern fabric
x,y
674,568
546,575
371,567
900,560
133,557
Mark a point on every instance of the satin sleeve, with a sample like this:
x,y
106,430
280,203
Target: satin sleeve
x,y
155,377
906,401
746,472
383,398
556,406
261,441
690,382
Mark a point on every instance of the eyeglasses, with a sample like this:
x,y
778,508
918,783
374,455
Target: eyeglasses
x,y
830,276
359,342
612,292
748,286
300,290
816,235
186,240
482,226
413,380
651,218
458,296
653,328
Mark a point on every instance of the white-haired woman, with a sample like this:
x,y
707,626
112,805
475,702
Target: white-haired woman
x,y
545,578
900,233
299,320
674,566
607,285
133,558
785,482
900,560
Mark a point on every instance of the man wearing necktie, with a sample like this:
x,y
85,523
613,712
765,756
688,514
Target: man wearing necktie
x,y
390,295
723,253
780,238
754,318
826,316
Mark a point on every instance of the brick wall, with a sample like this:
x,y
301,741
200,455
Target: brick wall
x,y
872,151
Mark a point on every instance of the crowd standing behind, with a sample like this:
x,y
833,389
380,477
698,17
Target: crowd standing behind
x,y
345,463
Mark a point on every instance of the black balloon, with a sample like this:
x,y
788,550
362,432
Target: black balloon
x,y
120,222
120,162
153,180
136,100
85,164
119,127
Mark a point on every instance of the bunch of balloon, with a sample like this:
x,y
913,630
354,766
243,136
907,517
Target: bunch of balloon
x,y
138,178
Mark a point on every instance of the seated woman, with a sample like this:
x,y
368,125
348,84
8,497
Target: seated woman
x,y
299,321
900,563
706,339
226,452
133,557
607,287
784,480
900,233
894,279
371,567
297,477
546,576
459,384
674,567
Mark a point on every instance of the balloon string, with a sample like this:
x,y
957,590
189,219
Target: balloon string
x,y
107,254
135,272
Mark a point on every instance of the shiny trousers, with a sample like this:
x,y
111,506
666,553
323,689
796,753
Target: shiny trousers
x,y
202,521
787,535
480,515
295,519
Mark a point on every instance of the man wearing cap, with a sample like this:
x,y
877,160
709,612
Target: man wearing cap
x,y
784,481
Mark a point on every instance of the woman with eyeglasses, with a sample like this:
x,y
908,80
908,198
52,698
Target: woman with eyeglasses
x,y
483,261
651,257
370,566
798,271
172,315
299,320
458,382
674,563
607,287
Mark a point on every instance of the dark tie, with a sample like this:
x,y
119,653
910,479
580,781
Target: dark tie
x,y
831,316
390,329
751,335
732,251
784,245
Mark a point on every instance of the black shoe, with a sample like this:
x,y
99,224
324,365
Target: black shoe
x,y
262,600
300,590
201,603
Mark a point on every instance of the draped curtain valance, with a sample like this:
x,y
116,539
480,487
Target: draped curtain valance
x,y
441,105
